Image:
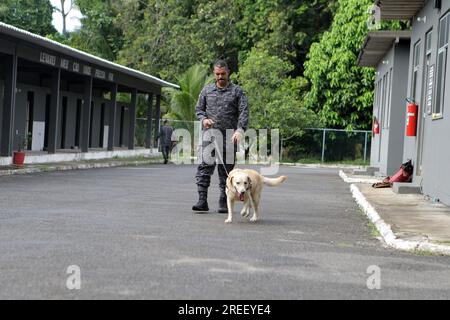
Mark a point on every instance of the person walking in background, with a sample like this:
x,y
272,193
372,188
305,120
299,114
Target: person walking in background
x,y
221,106
165,139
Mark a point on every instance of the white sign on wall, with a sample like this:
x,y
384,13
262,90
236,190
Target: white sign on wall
x,y
105,136
37,144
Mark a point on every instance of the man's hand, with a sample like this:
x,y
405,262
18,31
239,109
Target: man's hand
x,y
208,123
236,138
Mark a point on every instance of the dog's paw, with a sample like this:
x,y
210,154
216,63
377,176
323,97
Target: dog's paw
x,y
254,219
245,213
228,221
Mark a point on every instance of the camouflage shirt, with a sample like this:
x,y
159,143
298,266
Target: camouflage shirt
x,y
227,107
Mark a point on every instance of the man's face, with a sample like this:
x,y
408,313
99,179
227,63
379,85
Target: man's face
x,y
221,75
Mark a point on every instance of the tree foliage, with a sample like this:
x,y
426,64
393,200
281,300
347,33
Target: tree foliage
x,y
285,28
32,15
183,101
276,99
341,92
166,37
99,34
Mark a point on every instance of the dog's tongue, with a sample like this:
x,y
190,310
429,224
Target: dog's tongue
x,y
241,196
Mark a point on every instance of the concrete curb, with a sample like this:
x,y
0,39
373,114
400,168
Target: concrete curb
x,y
386,232
78,166
344,177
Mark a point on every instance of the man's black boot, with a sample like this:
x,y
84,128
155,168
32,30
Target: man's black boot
x,y
202,204
223,207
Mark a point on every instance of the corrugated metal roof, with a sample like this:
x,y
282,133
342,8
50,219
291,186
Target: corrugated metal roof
x,y
399,9
377,45
64,49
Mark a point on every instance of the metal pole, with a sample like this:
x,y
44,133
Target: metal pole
x,y
148,135
281,152
365,149
323,145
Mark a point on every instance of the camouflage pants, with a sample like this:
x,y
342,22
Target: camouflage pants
x,y
206,169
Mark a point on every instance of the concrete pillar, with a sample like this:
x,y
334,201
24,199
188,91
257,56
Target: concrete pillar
x,y
148,135
112,117
132,124
54,111
86,114
9,106
157,117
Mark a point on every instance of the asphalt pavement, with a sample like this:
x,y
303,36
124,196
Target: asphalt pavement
x,y
129,233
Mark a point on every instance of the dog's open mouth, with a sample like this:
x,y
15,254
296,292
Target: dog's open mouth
x,y
241,196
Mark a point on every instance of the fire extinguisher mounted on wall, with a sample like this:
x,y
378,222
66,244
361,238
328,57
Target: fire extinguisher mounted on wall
x,y
411,118
376,126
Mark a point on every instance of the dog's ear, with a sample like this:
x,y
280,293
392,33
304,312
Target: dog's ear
x,y
249,181
230,180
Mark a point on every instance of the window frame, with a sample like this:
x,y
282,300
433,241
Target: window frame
x,y
443,47
427,64
417,54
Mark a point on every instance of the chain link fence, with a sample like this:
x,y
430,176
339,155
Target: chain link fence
x,y
315,145
328,146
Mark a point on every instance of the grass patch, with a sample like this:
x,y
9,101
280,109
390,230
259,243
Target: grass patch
x,y
426,253
373,230
370,225
345,245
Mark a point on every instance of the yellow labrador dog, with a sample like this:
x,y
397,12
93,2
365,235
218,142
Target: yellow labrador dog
x,y
246,185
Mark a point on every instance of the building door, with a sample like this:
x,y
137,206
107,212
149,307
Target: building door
x,y
47,120
63,123
122,120
29,120
102,127
78,123
381,88
91,124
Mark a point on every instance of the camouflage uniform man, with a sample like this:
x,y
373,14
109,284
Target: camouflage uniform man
x,y
221,106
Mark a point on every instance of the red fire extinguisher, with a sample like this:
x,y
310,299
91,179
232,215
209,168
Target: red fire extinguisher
x,y
411,118
376,126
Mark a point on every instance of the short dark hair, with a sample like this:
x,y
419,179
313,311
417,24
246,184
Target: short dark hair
x,y
165,121
221,64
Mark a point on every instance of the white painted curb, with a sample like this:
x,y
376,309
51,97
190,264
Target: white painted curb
x,y
344,177
386,232
79,156
78,166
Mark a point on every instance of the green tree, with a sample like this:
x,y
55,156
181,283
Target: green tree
x,y
285,28
183,101
157,37
99,34
32,15
341,93
275,98
166,37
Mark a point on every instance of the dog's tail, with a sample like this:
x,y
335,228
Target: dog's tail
x,y
272,182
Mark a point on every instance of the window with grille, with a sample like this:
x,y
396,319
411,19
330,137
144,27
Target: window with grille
x,y
441,67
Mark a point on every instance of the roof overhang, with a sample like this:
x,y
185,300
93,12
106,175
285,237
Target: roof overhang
x,y
378,44
400,9
35,39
